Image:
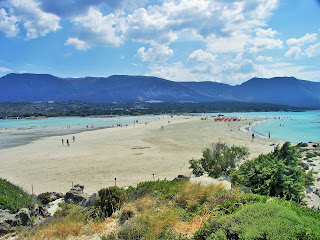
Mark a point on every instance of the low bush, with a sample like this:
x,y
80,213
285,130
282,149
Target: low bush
x,y
262,221
162,189
13,197
109,200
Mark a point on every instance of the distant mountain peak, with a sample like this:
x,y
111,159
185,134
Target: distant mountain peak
x,y
29,87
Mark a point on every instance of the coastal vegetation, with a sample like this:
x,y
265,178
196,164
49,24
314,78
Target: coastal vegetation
x,y
13,197
184,209
218,159
76,108
275,174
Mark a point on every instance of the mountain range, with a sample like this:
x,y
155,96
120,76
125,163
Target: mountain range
x,y
29,87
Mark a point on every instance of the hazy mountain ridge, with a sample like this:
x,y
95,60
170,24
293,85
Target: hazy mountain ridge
x,y
122,88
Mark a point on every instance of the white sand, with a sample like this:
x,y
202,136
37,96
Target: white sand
x,y
130,154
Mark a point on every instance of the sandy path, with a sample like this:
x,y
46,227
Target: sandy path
x,y
130,154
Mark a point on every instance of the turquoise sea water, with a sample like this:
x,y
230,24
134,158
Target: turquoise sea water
x,y
27,130
295,126
287,126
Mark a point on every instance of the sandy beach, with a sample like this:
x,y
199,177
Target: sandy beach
x,y
131,154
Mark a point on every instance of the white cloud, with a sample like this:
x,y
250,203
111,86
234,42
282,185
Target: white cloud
x,y
308,38
201,56
260,44
177,72
313,50
35,21
4,69
8,24
264,58
157,53
293,52
149,27
97,29
265,33
231,44
212,21
77,43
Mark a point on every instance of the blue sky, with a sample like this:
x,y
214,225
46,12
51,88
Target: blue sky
x,y
227,41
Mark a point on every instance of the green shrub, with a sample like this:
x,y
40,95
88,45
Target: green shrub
x,y
109,200
275,174
162,189
13,198
262,221
218,159
302,145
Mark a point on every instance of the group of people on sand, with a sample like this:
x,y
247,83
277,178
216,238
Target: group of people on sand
x,y
68,143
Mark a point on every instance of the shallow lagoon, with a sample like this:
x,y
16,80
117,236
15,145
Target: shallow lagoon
x,y
287,126
21,131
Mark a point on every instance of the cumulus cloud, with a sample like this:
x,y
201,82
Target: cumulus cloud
x,y
156,53
201,56
313,50
77,43
8,24
265,43
178,72
308,38
265,32
293,52
96,29
209,20
35,21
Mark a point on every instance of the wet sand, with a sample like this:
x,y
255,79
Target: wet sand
x,y
131,154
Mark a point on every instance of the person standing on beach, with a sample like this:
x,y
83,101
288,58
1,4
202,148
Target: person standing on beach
x,y
68,142
73,138
252,137
62,141
269,134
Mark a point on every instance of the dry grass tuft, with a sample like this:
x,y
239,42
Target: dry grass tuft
x,y
193,195
189,228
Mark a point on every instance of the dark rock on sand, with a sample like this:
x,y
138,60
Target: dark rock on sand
x,y
76,195
180,177
48,197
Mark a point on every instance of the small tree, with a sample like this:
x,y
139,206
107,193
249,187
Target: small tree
x,y
218,159
275,174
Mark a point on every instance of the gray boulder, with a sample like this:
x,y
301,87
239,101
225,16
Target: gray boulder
x,y
48,197
7,222
76,195
24,216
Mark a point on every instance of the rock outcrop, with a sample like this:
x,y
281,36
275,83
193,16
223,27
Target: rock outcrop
x,y
48,197
76,195
8,221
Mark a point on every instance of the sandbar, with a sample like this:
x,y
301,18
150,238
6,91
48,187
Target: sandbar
x,y
131,154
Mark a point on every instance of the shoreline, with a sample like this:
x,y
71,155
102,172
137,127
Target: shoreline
x,y
34,136
131,154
